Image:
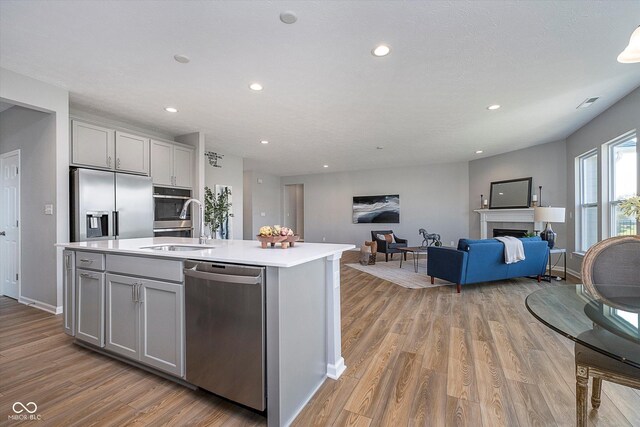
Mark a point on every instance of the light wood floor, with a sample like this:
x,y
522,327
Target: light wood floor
x,y
414,357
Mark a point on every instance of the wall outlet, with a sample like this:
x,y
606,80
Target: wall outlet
x,y
324,239
259,180
263,214
451,243
48,209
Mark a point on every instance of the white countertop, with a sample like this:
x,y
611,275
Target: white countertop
x,y
234,251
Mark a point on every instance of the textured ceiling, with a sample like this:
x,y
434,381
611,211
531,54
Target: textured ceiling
x,y
327,100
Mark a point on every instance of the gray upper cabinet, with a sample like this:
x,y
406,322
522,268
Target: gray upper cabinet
x,y
69,290
171,164
161,326
90,306
162,163
122,317
92,145
183,167
132,153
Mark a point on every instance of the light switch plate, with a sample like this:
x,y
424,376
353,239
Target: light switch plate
x,y
48,209
263,214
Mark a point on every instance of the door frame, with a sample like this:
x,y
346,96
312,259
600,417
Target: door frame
x,y
19,257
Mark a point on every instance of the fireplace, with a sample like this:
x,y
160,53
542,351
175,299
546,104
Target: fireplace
x,y
499,232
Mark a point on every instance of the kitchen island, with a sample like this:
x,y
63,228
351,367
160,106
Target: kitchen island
x,y
126,298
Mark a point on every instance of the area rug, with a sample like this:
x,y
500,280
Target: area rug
x,y
405,276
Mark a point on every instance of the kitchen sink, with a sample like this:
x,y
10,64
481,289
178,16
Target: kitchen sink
x,y
174,248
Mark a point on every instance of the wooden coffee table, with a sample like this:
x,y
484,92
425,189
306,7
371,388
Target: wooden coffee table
x,y
415,252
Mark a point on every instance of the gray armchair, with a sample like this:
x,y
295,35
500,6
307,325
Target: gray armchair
x,y
614,261
389,248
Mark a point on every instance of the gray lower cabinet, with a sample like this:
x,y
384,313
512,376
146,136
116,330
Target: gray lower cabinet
x,y
122,317
144,321
69,292
90,306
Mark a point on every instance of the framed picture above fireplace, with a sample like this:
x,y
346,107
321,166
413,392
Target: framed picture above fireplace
x,y
510,194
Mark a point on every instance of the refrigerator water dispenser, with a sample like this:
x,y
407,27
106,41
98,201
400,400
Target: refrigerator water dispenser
x,y
97,224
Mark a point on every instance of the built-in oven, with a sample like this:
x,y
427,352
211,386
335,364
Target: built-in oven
x,y
167,204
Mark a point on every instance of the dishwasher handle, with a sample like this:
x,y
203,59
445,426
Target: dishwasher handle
x,y
226,278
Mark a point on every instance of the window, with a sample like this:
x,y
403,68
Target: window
x,y
623,180
588,197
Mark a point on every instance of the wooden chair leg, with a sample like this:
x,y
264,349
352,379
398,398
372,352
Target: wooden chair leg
x,y
386,257
595,394
539,278
582,383
392,256
405,256
458,287
432,280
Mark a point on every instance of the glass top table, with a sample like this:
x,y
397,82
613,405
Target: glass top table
x,y
605,323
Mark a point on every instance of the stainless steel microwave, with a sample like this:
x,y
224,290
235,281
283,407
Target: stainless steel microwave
x,y
167,204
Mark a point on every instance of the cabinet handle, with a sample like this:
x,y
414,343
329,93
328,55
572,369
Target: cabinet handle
x,y
139,287
67,261
109,161
86,260
90,276
118,163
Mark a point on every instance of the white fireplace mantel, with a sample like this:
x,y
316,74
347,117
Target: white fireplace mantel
x,y
505,215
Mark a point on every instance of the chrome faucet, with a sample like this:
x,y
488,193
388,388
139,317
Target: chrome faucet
x,y
183,215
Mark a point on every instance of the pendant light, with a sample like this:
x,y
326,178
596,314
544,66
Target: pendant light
x,y
631,54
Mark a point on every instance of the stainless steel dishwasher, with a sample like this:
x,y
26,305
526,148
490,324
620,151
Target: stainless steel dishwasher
x,y
225,330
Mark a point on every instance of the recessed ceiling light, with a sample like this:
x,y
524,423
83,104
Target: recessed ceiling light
x,y
288,17
183,59
382,50
255,86
479,152
493,107
171,109
325,166
264,141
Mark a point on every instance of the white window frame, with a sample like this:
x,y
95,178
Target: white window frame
x,y
609,217
580,225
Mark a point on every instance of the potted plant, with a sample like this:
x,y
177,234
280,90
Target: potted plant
x,y
216,210
631,207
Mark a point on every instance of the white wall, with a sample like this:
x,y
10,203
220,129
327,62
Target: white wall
x,y
33,133
545,163
618,119
30,93
434,197
264,195
231,174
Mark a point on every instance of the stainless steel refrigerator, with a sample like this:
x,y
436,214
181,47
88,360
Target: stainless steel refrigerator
x,y
108,205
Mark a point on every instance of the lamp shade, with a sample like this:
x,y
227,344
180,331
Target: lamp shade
x,y
631,54
548,214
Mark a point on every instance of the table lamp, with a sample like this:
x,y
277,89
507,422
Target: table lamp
x,y
548,215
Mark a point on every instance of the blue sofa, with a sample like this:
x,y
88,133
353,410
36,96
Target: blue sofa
x,y
483,260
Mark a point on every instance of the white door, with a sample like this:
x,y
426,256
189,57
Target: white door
x,y
10,224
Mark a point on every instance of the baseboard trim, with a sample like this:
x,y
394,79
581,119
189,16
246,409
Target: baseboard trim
x,y
334,371
40,305
574,273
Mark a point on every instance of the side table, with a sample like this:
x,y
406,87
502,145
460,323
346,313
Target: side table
x,y
563,254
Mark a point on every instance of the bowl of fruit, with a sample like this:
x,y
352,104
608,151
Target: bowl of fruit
x,y
270,235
